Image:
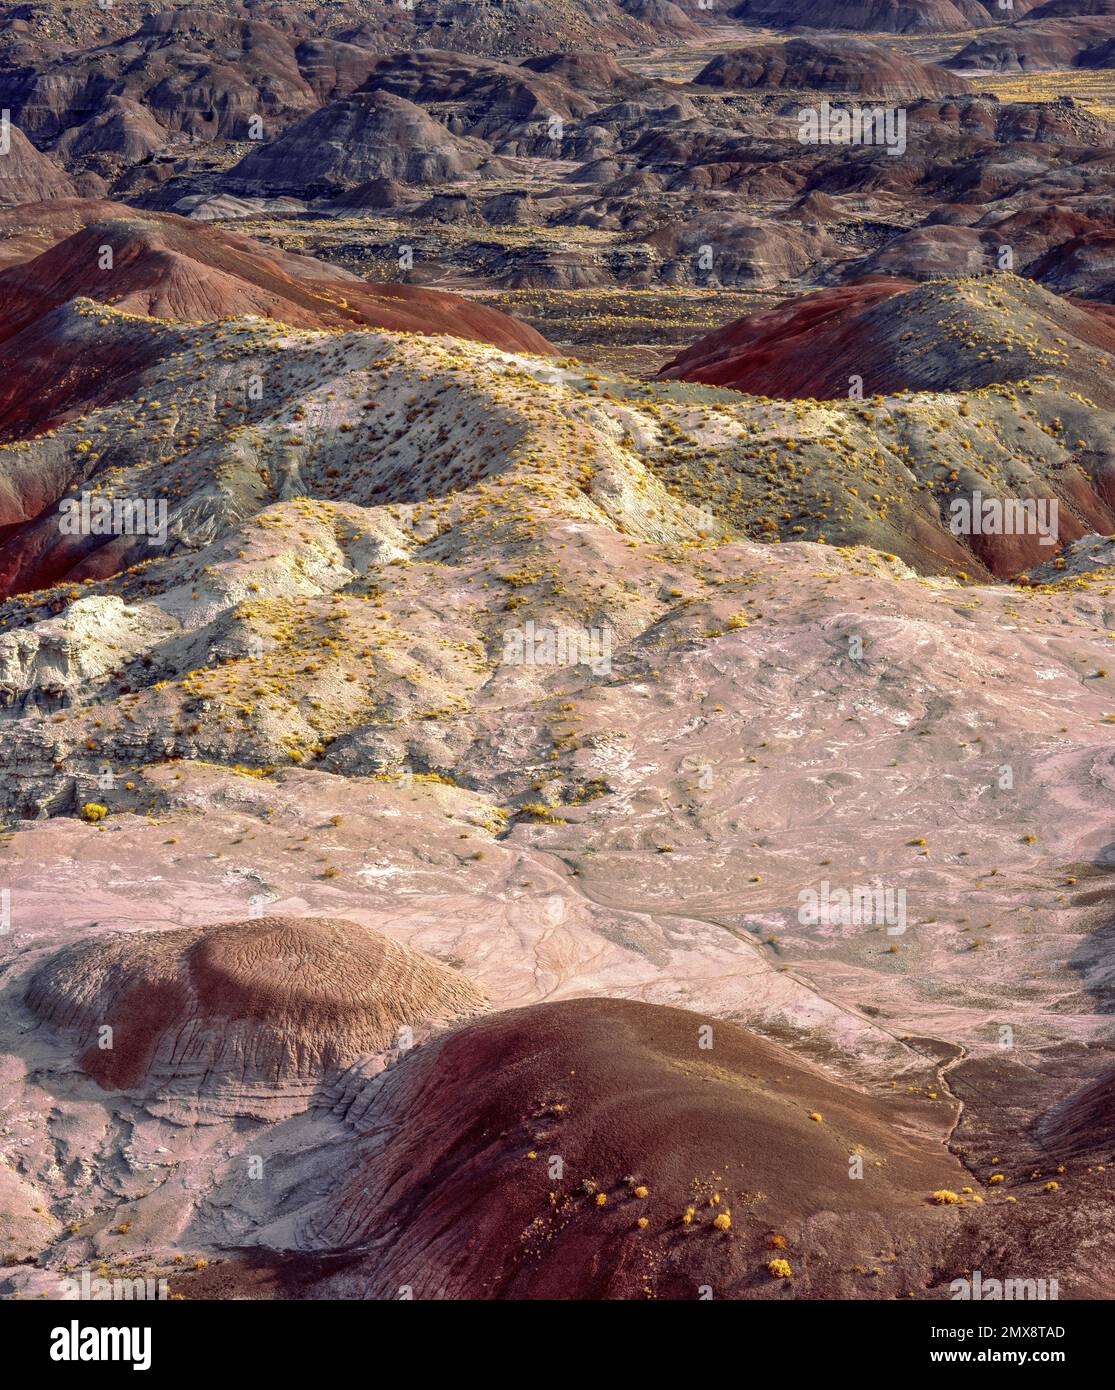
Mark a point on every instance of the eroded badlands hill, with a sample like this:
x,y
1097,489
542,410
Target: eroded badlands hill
x,y
885,16
673,1167
528,669
505,149
245,1018
248,414
160,265
830,66
889,336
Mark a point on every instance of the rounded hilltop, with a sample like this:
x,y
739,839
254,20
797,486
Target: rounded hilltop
x,y
243,1016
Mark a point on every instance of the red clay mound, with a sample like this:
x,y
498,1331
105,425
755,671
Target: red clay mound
x,y
31,228
52,365
62,366
896,335
787,351
168,267
242,1017
991,336
597,1149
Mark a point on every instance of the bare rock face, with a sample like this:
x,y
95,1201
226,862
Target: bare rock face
x,y
609,675
77,649
244,1018
662,15
369,135
830,66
